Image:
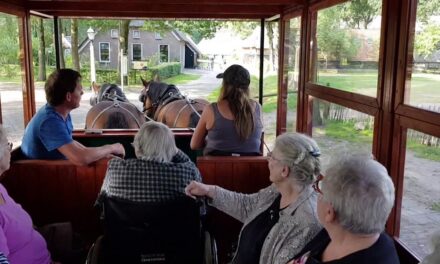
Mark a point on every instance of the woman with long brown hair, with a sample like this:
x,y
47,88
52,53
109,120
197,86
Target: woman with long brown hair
x,y
232,125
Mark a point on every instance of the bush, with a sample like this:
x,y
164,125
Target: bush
x,y
163,71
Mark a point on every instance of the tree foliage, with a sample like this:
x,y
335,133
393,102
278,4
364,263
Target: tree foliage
x,y
334,42
197,29
357,12
427,41
9,40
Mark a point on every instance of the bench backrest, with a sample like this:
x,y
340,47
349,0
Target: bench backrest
x,y
57,191
240,174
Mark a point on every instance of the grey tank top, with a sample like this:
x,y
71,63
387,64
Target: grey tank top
x,y
223,136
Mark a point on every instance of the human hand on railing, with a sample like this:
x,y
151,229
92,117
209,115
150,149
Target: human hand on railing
x,y
117,150
195,189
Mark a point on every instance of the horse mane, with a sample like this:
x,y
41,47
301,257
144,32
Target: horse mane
x,y
108,88
159,91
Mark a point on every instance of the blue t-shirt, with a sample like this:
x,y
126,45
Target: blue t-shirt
x,y
46,132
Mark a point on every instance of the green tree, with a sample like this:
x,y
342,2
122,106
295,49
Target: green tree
x,y
334,42
428,41
426,9
197,29
74,44
357,12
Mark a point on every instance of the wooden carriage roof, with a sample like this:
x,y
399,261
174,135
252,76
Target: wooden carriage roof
x,y
235,9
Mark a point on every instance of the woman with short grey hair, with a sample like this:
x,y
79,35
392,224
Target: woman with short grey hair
x,y
155,141
279,219
355,198
159,173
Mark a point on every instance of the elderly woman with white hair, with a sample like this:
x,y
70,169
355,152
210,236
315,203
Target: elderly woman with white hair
x,y
159,173
281,218
355,198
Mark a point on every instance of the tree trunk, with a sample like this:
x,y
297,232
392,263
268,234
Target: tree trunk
x,y
270,39
61,36
123,43
74,44
41,52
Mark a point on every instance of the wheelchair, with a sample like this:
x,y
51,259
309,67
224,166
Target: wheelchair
x,y
163,232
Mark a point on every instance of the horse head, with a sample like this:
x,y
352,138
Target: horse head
x,y
106,92
155,94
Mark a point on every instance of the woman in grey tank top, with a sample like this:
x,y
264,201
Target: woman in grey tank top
x,y
233,125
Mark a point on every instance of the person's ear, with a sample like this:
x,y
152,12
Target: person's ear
x,y
285,172
330,214
68,96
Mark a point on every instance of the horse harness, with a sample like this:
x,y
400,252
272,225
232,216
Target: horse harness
x,y
116,104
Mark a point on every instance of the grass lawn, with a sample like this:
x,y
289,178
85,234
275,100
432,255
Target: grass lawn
x,y
346,131
423,86
182,78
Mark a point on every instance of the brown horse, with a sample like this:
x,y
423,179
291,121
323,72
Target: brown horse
x,y
111,109
164,103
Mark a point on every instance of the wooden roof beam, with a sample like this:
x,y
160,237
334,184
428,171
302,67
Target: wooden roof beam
x,y
46,7
192,2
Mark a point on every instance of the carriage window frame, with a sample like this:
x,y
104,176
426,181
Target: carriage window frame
x,y
132,51
100,52
136,34
157,36
160,53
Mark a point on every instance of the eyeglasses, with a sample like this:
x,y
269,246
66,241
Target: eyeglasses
x,y
270,153
318,184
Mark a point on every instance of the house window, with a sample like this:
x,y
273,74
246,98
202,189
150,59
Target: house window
x,y
136,52
114,33
157,36
136,34
163,53
104,51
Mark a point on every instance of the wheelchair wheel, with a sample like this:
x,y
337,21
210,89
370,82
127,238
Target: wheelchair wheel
x,y
210,249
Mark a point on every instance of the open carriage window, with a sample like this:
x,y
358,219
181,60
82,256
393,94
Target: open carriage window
x,y
11,79
420,212
345,51
423,71
292,41
340,130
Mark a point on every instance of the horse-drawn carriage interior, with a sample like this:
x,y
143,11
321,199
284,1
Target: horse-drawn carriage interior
x,y
354,75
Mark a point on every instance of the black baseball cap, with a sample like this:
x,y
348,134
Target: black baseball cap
x,y
235,75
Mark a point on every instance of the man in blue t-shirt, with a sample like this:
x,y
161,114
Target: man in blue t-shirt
x,y
49,134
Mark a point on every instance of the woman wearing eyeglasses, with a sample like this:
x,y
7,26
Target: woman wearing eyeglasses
x,y
19,241
280,219
355,198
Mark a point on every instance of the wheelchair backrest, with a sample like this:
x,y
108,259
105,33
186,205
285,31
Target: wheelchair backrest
x,y
163,232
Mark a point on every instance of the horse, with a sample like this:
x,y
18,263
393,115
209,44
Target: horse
x,y
164,103
111,109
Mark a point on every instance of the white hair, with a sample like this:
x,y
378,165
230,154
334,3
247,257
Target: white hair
x,y
301,154
434,257
155,141
361,192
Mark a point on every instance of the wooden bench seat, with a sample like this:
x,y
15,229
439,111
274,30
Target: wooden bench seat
x,y
240,174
